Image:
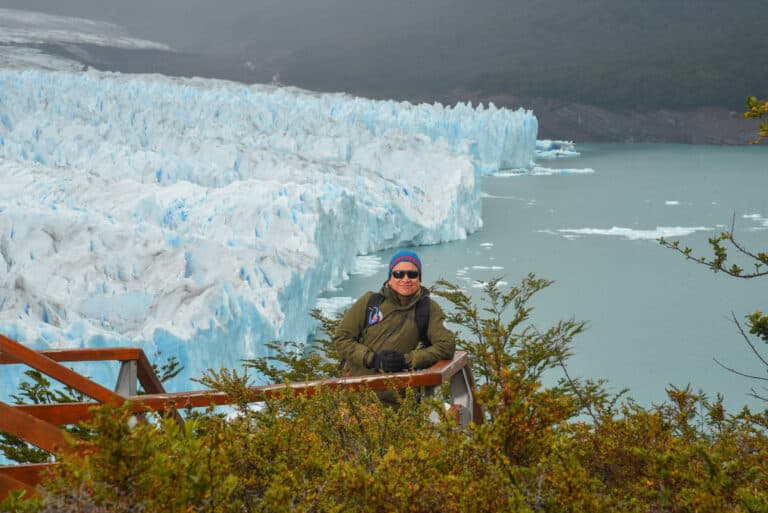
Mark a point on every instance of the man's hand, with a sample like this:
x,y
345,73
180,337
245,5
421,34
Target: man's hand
x,y
389,361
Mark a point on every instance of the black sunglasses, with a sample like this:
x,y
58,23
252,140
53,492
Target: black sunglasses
x,y
399,275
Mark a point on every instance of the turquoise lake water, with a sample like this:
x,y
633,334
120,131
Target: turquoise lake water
x,y
654,319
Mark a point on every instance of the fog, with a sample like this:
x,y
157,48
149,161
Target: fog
x,y
619,55
235,26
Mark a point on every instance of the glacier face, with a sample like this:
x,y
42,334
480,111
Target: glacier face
x,y
201,218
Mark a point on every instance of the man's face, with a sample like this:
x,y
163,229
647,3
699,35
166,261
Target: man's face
x,y
405,285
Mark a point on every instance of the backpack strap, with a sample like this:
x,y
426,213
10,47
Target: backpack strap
x,y
422,320
372,309
422,315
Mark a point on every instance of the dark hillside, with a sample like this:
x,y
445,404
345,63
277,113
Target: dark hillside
x,y
616,61
643,56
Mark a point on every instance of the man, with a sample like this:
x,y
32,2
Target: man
x,y
384,336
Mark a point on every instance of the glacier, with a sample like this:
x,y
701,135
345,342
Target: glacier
x,y
21,28
200,218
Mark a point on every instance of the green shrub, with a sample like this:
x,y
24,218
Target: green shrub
x,y
567,447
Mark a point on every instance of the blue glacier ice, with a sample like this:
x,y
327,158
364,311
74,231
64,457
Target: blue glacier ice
x,y
202,218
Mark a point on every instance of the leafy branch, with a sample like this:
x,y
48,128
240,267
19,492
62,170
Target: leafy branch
x,y
719,261
758,318
757,109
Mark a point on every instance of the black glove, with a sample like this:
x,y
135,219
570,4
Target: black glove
x,y
389,361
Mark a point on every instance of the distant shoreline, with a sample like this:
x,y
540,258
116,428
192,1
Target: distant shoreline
x,y
587,123
558,120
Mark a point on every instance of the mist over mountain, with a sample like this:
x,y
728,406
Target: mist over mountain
x,y
621,63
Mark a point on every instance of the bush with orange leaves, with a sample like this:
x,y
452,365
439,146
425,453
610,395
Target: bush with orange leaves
x,y
758,109
549,443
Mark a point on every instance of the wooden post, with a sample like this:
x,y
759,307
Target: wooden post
x,y
126,379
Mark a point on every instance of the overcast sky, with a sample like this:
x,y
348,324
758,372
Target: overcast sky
x,y
410,48
267,26
235,26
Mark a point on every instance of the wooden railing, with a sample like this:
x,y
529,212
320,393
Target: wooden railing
x,y
39,424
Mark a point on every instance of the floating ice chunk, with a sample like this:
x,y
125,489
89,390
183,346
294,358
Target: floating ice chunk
x,y
758,218
481,284
368,265
542,171
630,233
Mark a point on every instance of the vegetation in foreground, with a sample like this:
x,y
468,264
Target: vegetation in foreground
x,y
567,447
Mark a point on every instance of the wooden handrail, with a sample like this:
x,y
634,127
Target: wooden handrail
x,y
71,413
147,376
32,429
119,354
52,368
9,483
28,473
39,423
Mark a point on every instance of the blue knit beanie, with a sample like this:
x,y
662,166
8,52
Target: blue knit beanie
x,y
404,256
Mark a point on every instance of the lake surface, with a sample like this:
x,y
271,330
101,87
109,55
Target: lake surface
x,y
654,319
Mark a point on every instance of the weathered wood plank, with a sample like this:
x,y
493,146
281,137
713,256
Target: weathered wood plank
x,y
32,429
60,413
372,382
73,413
67,376
147,376
9,484
82,355
29,473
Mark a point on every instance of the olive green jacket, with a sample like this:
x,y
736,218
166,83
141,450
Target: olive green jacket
x,y
396,331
